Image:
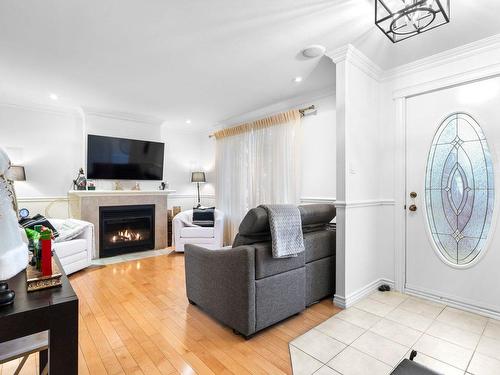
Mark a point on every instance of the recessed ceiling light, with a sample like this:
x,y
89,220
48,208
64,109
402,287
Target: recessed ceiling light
x,y
297,79
53,96
188,121
314,50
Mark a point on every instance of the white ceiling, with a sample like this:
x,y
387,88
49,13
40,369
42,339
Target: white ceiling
x,y
198,59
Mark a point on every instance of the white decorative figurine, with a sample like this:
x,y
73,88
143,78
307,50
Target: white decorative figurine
x,y
13,251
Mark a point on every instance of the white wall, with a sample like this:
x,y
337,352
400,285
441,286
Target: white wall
x,y
188,151
319,152
359,199
48,143
318,181
51,144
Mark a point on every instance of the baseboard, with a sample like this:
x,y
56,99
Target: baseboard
x,y
462,305
351,299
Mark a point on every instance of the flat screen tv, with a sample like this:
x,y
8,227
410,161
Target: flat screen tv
x,y
110,158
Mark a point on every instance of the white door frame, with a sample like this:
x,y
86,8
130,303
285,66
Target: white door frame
x,y
400,97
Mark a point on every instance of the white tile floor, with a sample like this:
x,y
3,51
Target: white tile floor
x,y
374,335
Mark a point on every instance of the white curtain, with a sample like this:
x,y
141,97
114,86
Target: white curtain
x,y
259,163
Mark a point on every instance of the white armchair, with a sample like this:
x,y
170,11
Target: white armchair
x,y
74,254
185,232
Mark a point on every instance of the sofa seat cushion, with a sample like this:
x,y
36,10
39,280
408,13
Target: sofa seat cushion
x,y
319,245
197,232
279,296
69,248
320,279
266,265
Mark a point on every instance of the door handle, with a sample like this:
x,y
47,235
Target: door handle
x,y
412,207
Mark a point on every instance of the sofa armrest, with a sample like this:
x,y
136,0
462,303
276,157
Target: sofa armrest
x,y
222,283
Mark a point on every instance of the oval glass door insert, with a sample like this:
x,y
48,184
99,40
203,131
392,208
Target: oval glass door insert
x,y
459,189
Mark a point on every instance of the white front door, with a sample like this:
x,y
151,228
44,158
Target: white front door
x,y
452,170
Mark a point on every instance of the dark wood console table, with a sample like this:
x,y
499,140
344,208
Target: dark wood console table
x,y
54,310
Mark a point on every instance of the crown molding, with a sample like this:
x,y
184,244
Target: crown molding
x,y
276,107
126,116
356,57
446,57
339,54
40,107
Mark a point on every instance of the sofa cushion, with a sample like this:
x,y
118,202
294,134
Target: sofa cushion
x,y
319,245
279,296
317,213
197,232
68,248
320,279
257,222
266,265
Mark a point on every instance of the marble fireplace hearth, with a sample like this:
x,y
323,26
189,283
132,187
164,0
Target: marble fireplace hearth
x,y
85,205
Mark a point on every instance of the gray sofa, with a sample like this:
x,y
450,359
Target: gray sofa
x,y
247,289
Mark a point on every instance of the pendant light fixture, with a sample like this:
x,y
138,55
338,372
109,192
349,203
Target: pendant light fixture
x,y
402,19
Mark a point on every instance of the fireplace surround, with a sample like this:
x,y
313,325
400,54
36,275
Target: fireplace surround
x,y
125,229
84,205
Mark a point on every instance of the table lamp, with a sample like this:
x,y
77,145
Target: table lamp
x,y
198,178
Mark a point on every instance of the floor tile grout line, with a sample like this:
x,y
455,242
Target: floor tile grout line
x,y
475,349
317,359
412,347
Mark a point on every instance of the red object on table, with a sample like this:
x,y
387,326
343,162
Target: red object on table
x,y
46,253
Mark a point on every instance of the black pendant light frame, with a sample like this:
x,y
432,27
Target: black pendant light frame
x,y
388,20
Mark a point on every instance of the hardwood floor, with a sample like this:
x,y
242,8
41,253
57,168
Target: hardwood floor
x,y
135,319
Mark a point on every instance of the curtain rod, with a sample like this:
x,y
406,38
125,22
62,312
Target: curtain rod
x,y
302,112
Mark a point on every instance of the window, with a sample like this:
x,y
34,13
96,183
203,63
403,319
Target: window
x,y
459,189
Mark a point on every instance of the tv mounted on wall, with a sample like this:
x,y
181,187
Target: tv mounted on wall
x,y
110,158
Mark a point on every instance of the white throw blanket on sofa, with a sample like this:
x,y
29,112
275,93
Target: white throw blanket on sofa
x,y
286,230
70,229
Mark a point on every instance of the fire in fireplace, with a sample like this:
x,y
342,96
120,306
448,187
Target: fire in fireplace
x,y
124,229
126,235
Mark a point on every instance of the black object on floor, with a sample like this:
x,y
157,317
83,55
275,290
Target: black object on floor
x,y
384,288
413,354
408,367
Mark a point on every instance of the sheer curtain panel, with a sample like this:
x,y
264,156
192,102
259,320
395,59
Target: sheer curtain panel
x,y
257,163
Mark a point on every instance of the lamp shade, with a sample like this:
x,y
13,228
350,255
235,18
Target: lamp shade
x,y
17,173
198,177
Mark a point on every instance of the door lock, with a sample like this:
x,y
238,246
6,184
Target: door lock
x,y
413,207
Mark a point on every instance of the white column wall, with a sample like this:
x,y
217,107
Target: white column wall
x,y
359,203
